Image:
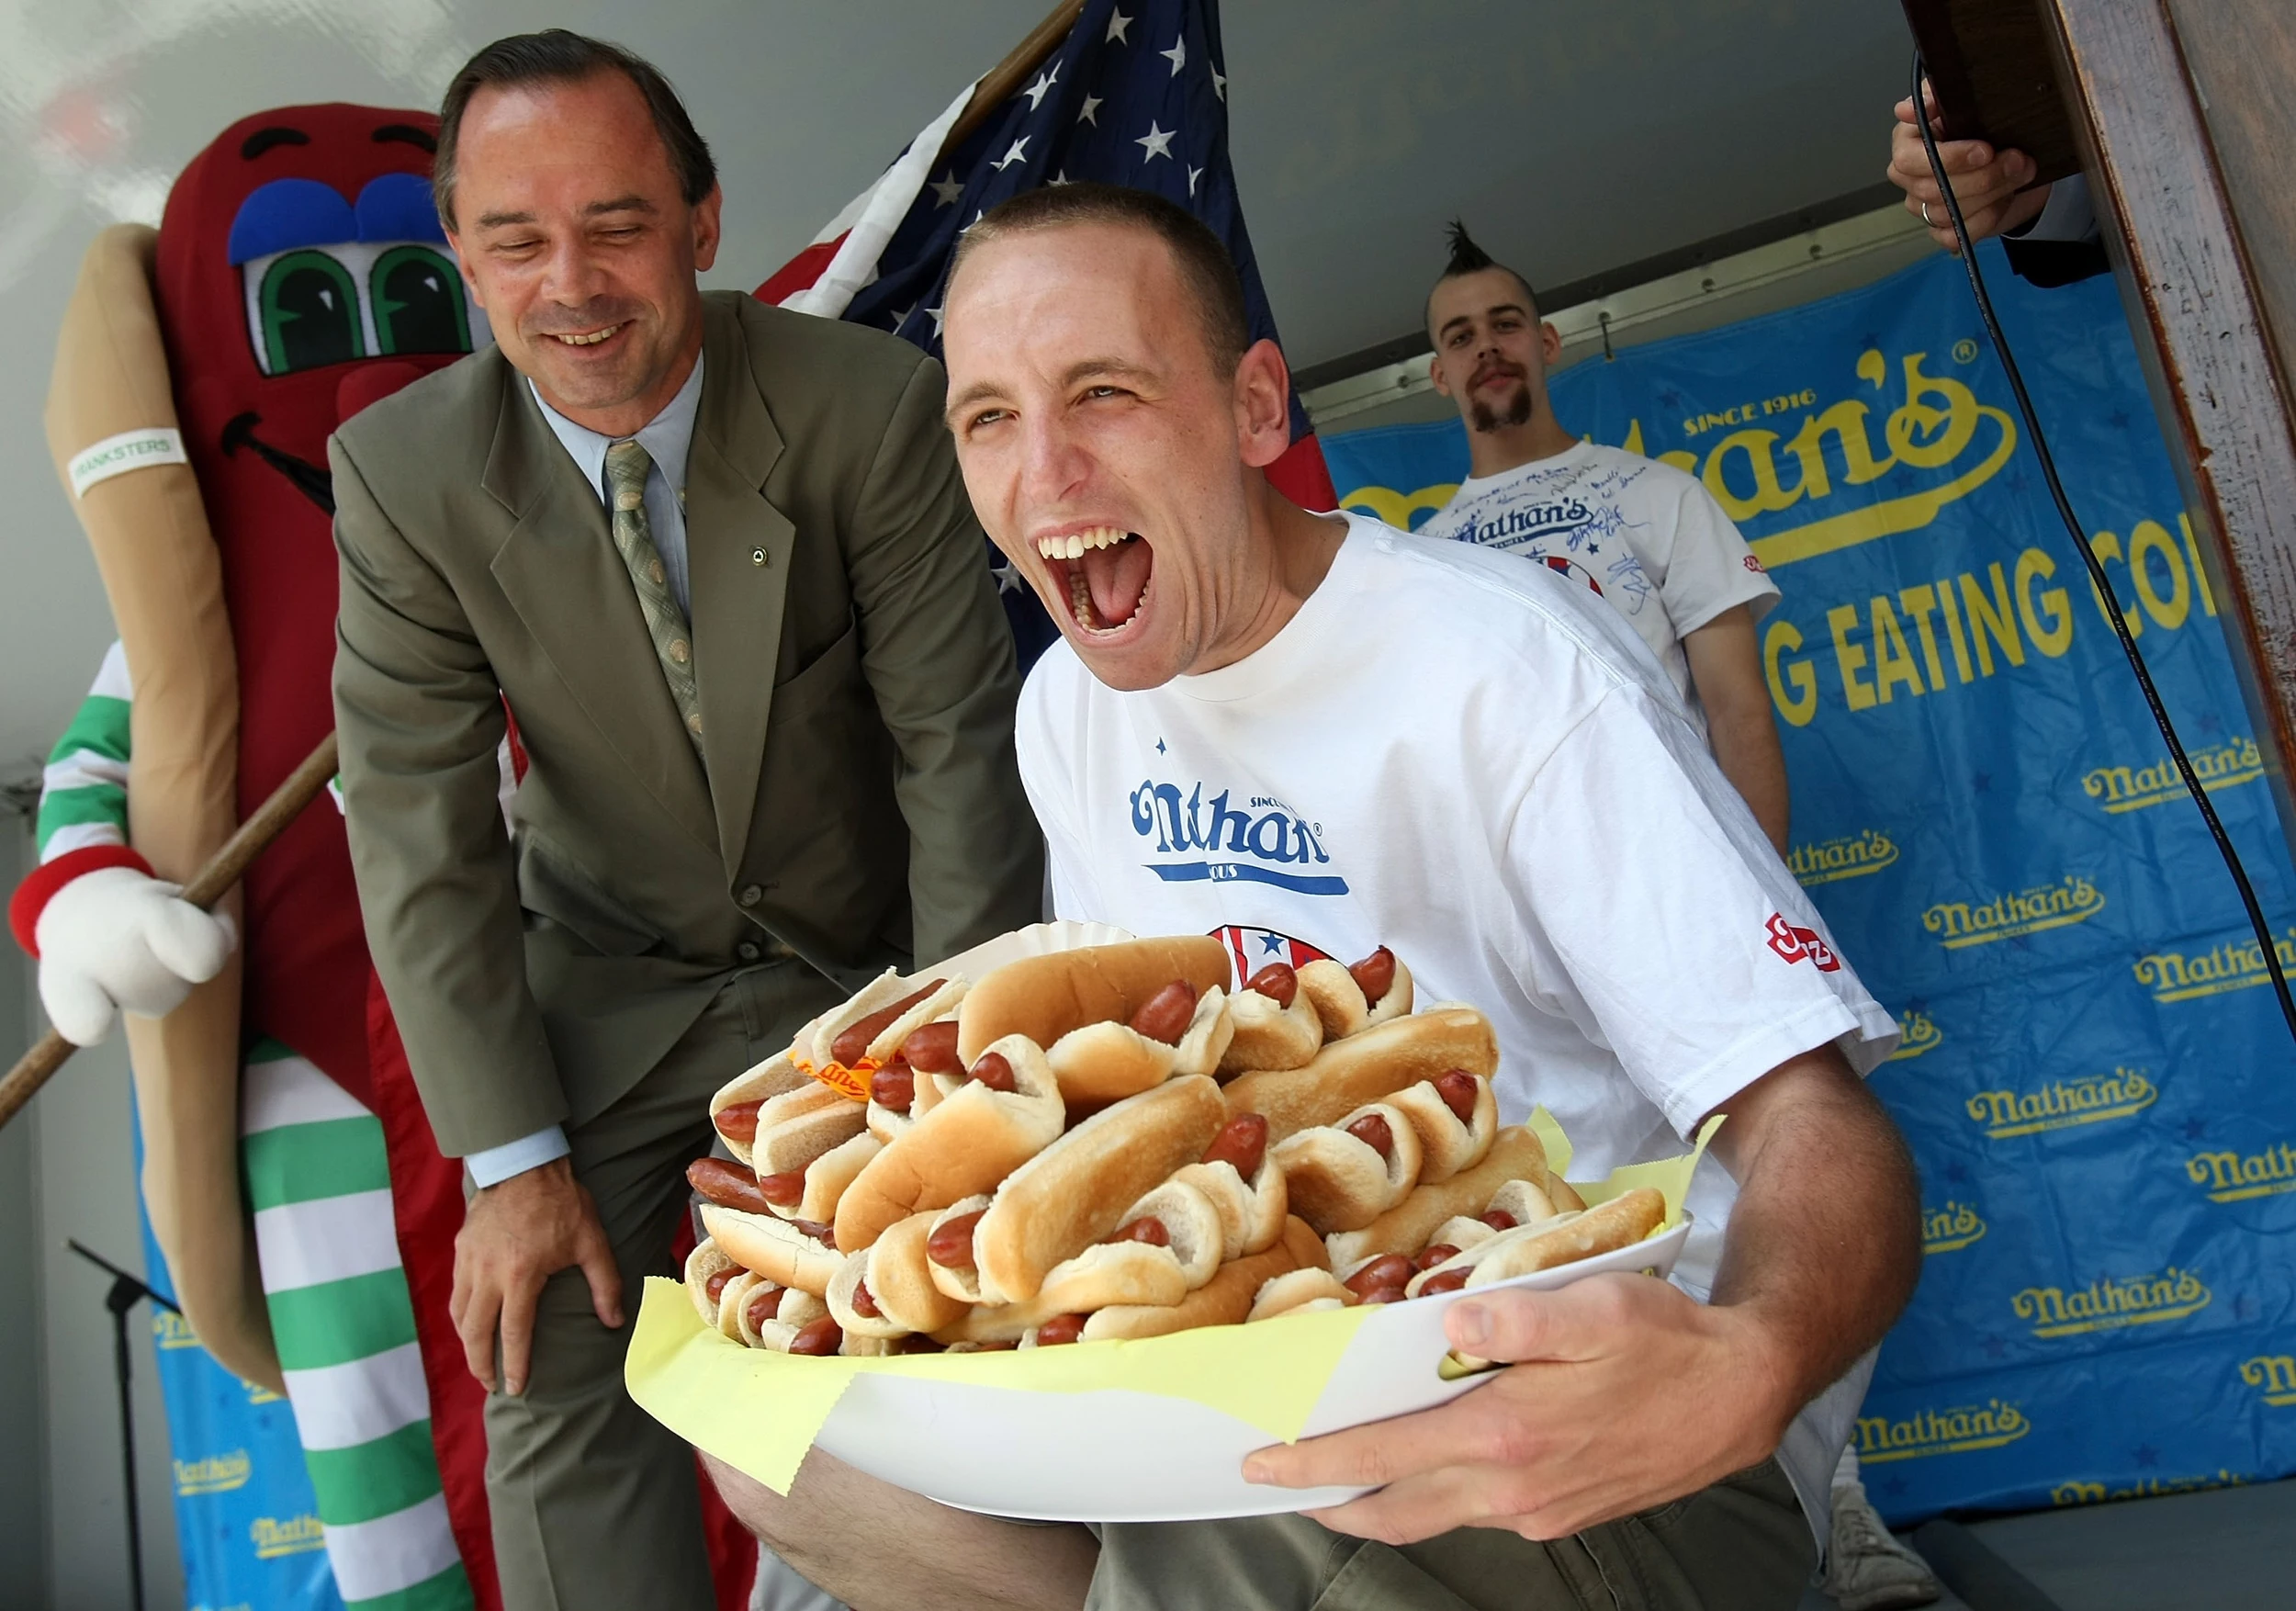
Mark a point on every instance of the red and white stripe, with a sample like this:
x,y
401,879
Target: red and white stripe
x,y
826,275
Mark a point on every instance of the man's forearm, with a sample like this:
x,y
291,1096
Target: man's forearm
x,y
1824,1242
1749,756
1726,670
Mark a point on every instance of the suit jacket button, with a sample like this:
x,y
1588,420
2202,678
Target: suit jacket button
x,y
750,894
746,951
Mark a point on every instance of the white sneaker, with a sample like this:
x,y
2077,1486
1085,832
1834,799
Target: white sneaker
x,y
1866,1569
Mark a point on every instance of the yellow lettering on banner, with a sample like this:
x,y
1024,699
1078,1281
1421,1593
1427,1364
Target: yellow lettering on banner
x,y
1397,508
2199,571
1918,601
1849,658
1997,617
1767,496
2107,545
1845,422
2151,537
1925,436
2051,640
1893,662
1797,708
1952,628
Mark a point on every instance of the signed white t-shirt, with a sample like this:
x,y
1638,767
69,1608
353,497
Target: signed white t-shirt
x,y
1649,538
1466,759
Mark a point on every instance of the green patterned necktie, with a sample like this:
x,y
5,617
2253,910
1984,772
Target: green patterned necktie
x,y
626,466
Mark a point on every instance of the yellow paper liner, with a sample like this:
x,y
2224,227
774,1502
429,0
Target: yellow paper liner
x,y
760,1411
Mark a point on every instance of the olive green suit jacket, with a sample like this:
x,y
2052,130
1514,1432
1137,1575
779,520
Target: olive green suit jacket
x,y
860,810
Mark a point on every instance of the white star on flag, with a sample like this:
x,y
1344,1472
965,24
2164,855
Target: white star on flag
x,y
1090,114
1157,141
902,318
1019,149
950,190
1219,83
1042,87
1176,55
936,312
1194,175
1007,577
1118,23
1060,178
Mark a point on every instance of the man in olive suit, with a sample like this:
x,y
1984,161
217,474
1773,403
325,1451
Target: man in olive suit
x,y
717,560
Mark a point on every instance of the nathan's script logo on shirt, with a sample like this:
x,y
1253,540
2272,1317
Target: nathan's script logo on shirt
x,y
1797,944
1276,844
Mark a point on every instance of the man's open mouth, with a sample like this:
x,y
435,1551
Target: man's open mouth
x,y
1103,573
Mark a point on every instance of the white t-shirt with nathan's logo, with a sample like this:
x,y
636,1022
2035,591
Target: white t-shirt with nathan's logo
x,y
1649,538
1466,760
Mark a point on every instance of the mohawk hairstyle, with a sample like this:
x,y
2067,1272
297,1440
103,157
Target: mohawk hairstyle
x,y
1465,256
1469,258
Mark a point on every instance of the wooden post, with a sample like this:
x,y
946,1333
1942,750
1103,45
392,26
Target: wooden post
x,y
2175,204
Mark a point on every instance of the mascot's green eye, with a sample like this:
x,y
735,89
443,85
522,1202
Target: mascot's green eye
x,y
309,308
418,302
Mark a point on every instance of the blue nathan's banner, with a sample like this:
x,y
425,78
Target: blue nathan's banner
x,y
2094,1075
246,1520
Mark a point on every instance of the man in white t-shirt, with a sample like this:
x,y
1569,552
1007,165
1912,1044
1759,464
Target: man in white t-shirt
x,y
1282,725
1650,539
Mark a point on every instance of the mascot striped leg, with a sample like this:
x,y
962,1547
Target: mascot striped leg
x,y
318,1183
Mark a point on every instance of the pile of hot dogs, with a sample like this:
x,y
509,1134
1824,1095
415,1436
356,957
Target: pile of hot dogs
x,y
1109,1143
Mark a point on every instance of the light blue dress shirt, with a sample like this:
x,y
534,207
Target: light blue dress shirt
x,y
667,438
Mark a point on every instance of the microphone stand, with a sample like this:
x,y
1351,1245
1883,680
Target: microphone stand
x,y
126,1292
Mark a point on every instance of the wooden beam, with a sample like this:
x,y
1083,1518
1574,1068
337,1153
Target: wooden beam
x,y
2175,240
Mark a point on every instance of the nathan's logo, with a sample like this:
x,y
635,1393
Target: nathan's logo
x,y
1939,435
1916,1033
2063,1103
2234,1178
2220,766
297,1535
1796,944
2107,1305
1275,839
218,1474
1851,856
1951,1228
1527,523
2072,899
1959,1430
2078,1492
2275,1373
2236,964
171,1329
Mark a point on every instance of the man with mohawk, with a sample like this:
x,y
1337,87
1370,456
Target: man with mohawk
x,y
1647,537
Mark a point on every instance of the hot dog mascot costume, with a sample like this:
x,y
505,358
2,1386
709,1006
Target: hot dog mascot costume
x,y
298,274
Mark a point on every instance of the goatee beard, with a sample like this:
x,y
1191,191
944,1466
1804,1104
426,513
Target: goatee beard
x,y
1485,419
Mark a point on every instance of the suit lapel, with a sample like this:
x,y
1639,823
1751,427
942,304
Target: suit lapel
x,y
738,596
560,573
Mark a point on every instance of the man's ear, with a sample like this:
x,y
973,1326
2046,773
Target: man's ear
x,y
1263,404
705,229
461,266
1435,374
1549,342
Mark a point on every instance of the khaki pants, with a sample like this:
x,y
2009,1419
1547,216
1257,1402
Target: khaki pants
x,y
594,1502
1741,1545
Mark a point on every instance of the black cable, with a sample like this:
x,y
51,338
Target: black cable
x,y
2089,558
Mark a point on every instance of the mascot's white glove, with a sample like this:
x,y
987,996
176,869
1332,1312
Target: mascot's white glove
x,y
117,940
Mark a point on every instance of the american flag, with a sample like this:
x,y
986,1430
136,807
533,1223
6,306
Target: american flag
x,y
1136,94
1254,949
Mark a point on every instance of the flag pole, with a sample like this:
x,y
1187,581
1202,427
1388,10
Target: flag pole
x,y
209,886
1004,79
